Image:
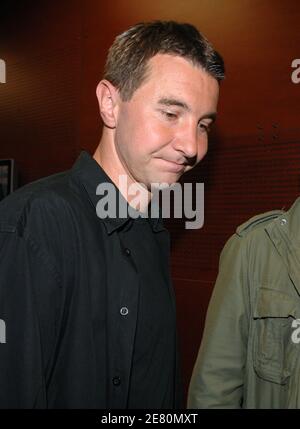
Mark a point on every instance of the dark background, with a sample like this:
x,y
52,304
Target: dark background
x,y
55,52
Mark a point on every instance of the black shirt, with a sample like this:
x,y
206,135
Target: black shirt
x,y
87,303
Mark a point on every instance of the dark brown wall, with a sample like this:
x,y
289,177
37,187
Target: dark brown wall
x,y
55,53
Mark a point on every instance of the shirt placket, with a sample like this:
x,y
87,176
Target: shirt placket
x,y
124,285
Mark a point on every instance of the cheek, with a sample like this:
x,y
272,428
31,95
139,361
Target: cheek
x,y
127,135
203,147
156,135
141,134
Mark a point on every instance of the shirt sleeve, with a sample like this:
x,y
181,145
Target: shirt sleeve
x,y
218,376
27,321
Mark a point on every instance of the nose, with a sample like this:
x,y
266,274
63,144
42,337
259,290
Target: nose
x,y
190,142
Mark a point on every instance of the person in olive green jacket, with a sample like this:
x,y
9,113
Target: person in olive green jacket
x,y
250,352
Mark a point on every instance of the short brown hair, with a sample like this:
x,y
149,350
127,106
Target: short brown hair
x,y
127,59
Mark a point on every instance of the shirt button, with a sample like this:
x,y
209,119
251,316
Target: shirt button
x,y
116,381
283,222
127,251
124,311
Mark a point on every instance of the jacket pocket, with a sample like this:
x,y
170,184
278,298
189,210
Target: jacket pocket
x,y
274,352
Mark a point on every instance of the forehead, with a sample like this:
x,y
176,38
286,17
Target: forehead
x,y
175,76
169,64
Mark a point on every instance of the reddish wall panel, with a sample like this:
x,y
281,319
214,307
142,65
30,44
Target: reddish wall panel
x,y
39,103
55,54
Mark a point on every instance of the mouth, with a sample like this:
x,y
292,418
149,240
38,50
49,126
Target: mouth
x,y
173,167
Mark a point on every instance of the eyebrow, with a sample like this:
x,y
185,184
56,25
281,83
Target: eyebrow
x,y
180,103
174,102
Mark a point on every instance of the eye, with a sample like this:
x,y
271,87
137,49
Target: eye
x,y
204,127
170,115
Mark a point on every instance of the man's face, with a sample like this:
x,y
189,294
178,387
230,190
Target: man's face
x,y
162,131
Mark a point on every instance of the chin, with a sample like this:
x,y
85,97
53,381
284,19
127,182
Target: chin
x,y
165,180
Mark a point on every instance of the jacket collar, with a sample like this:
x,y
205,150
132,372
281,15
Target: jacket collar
x,y
90,175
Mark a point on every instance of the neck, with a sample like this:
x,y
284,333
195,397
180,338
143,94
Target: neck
x,y
106,156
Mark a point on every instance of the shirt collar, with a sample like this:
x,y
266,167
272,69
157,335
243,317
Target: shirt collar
x,y
91,175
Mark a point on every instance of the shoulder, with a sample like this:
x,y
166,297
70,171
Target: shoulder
x,y
250,235
258,222
38,200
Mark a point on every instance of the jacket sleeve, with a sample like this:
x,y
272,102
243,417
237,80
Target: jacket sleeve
x,y
218,376
27,323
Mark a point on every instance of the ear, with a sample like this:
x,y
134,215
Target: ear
x,y
108,99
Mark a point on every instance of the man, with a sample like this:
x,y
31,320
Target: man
x,y
250,355
87,299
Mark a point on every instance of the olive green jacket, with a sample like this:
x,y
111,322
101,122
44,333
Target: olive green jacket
x,y
250,351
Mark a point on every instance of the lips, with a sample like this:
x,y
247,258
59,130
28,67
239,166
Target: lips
x,y
173,166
